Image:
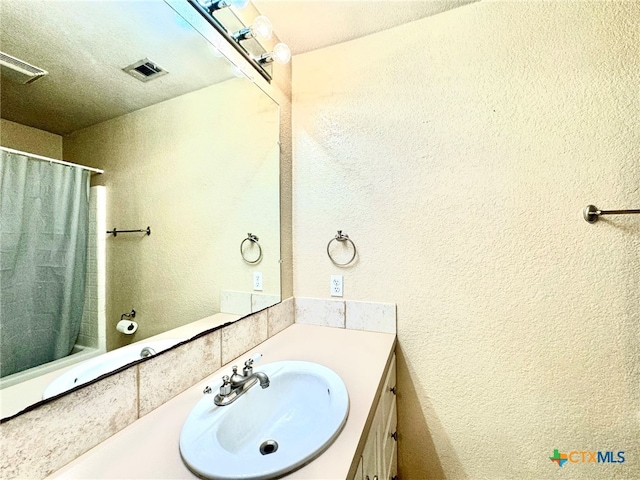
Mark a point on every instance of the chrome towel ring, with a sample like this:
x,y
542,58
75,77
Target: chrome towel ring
x,y
252,239
342,237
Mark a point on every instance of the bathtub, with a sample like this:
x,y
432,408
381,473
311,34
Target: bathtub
x,y
79,353
110,361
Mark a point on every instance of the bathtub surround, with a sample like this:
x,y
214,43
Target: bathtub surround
x,y
462,163
93,325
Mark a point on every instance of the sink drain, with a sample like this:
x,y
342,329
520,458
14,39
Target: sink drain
x,y
268,447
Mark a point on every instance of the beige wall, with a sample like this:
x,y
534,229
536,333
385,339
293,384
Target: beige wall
x,y
30,140
458,152
199,170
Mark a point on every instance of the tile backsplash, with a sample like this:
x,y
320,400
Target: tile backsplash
x,y
370,316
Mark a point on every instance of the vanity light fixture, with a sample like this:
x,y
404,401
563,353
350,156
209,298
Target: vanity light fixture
x,y
213,5
260,28
253,52
281,54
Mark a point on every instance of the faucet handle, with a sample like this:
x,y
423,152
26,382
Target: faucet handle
x,y
255,358
225,388
248,365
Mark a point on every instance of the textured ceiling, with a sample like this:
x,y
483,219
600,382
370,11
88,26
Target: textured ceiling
x,y
84,45
307,25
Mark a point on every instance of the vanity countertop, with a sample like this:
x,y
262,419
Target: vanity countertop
x,y
148,448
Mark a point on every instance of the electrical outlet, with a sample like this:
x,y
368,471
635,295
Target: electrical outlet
x,y
257,281
336,285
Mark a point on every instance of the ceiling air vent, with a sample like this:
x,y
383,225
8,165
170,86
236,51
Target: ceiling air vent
x,y
145,70
19,71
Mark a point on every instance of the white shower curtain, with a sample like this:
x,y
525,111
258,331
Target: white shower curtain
x,y
44,218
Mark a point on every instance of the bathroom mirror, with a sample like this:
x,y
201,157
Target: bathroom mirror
x,y
192,152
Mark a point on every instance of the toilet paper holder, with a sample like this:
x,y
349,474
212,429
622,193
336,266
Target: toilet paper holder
x,y
126,325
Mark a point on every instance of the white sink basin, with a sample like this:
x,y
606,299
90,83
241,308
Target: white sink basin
x,y
268,432
93,368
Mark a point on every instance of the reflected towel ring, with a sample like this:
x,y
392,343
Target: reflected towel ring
x,y
342,237
253,239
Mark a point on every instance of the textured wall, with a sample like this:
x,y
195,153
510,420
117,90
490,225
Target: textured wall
x,y
30,140
458,152
199,169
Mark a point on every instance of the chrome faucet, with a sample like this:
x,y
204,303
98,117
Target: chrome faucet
x,y
147,352
235,386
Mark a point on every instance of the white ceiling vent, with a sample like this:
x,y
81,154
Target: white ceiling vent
x,y
19,71
145,70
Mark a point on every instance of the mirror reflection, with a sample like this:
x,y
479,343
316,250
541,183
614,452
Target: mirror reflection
x,y
189,150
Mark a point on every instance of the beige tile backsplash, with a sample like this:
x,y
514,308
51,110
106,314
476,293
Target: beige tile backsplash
x,y
370,316
318,311
42,440
164,377
241,336
374,317
48,437
280,317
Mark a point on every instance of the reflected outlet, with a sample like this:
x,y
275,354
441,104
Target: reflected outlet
x,y
257,281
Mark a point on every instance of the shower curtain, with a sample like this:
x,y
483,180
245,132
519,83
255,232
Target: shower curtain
x,y
44,221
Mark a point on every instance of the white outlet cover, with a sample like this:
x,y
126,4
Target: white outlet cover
x,y
257,281
336,287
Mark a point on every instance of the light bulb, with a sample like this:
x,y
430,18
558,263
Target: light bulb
x,y
262,28
281,53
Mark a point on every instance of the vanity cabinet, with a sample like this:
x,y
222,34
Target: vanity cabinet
x,y
379,457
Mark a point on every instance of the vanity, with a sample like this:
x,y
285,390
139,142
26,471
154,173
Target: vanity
x,y
365,448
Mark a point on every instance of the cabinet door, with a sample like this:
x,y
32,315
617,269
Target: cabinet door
x,y
389,443
392,474
379,456
389,427
369,456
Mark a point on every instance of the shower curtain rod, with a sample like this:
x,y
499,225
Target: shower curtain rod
x,y
51,160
